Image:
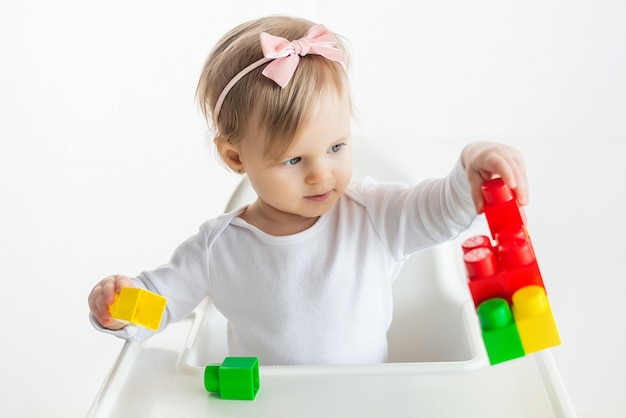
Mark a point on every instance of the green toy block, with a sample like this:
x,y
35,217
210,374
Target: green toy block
x,y
235,378
138,307
500,334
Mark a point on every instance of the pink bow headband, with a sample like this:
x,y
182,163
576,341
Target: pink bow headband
x,y
285,56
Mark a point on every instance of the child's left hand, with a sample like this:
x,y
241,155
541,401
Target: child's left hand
x,y
486,160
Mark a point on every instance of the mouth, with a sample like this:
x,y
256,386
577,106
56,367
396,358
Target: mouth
x,y
318,197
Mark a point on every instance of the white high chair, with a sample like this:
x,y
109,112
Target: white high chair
x,y
437,362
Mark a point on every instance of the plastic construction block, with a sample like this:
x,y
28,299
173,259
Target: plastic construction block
x,y
235,378
534,319
499,271
501,206
500,334
138,307
485,281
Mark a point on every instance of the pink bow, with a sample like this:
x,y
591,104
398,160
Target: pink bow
x,y
286,55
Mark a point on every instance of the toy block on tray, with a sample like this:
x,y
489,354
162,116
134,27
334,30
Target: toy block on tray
x,y
235,378
138,307
503,270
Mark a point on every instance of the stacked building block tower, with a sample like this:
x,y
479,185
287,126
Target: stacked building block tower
x,y
505,281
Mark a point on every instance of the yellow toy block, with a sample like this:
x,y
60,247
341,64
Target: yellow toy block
x,y
138,307
534,320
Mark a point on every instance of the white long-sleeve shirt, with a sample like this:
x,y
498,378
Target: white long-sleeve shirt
x,y
321,296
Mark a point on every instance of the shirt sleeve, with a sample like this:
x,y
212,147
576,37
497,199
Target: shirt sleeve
x,y
184,281
411,218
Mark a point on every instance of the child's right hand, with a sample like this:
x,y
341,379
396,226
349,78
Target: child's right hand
x,y
486,160
102,296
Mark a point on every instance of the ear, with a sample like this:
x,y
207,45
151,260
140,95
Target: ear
x,y
229,154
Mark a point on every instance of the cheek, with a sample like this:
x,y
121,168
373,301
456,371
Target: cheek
x,y
262,184
345,171
276,184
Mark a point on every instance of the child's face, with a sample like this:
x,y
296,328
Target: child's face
x,y
308,179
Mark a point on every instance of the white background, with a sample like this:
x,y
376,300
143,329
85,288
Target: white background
x,y
104,166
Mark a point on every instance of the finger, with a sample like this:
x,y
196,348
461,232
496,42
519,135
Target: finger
x,y
491,165
101,297
109,289
477,195
122,281
501,166
98,307
513,173
521,191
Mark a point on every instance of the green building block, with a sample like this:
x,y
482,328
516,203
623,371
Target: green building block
x,y
235,378
138,307
500,334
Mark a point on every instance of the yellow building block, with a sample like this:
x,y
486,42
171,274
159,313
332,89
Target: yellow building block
x,y
534,319
138,307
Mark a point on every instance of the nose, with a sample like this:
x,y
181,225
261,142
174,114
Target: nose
x,y
319,172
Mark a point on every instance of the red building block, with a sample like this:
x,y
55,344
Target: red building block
x,y
499,271
478,241
485,281
519,266
501,206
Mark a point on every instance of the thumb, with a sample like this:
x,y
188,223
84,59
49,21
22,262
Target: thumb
x,y
476,182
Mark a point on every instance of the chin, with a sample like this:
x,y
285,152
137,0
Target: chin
x,y
323,209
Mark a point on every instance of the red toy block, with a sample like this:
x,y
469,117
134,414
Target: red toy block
x,y
519,265
501,206
509,232
478,241
485,281
499,271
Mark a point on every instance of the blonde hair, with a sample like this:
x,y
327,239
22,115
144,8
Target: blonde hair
x,y
258,102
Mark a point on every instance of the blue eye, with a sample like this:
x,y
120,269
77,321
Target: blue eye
x,y
292,161
336,148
